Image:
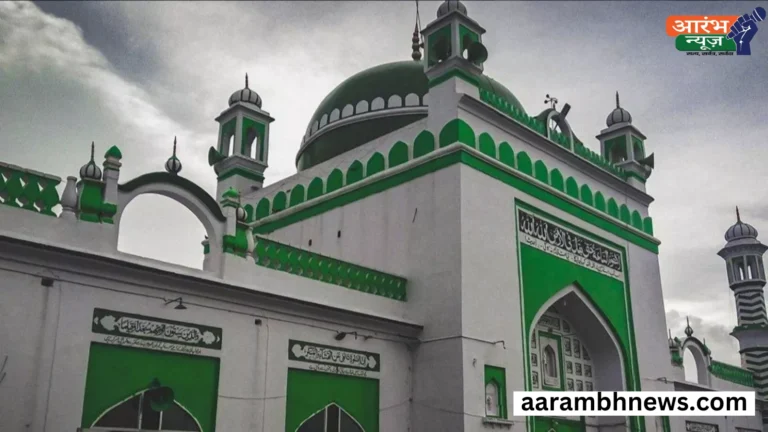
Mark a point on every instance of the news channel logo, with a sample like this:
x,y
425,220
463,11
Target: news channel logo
x,y
716,35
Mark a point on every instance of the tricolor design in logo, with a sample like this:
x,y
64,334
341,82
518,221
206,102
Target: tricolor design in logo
x,y
715,35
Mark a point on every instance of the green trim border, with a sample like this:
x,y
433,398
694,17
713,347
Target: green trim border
x,y
465,156
241,172
632,372
454,73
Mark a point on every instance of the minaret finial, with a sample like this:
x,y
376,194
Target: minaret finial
x,y
688,329
738,217
617,99
415,45
93,149
174,145
246,80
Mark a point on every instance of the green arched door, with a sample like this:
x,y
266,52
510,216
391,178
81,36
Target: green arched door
x,y
330,419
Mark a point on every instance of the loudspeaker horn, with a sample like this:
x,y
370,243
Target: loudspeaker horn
x,y
649,161
477,53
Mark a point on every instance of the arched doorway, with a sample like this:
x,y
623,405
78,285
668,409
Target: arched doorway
x,y
138,413
332,418
573,348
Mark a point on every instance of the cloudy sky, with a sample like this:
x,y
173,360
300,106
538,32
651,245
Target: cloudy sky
x,y
137,74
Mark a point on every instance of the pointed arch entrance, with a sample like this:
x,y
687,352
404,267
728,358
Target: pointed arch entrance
x,y
574,348
332,418
139,413
585,278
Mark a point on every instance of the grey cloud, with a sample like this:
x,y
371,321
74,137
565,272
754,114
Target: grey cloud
x,y
724,347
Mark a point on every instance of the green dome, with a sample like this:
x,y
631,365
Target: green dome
x,y
370,104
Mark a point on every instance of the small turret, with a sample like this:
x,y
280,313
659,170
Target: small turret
x,y
622,144
453,44
240,158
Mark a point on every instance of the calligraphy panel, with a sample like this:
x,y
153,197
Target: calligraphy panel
x,y
322,354
563,243
142,327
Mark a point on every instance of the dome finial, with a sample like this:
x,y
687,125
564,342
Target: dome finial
x,y
618,115
245,95
415,43
90,170
738,216
174,145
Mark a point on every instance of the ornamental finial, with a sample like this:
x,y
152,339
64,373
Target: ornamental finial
x,y
173,164
617,99
415,43
738,217
688,329
93,149
246,80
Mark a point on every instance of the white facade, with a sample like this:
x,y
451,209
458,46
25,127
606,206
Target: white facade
x,y
415,282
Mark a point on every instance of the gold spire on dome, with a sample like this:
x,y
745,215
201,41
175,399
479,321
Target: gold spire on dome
x,y
738,217
246,80
617,99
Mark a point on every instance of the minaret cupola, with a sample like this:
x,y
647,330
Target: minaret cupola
x,y
622,144
453,44
240,157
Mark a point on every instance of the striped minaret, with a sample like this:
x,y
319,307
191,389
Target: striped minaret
x,y
743,255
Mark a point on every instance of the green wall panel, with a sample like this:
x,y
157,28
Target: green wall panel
x,y
335,180
543,276
487,146
506,154
309,392
116,372
315,188
398,154
376,164
424,144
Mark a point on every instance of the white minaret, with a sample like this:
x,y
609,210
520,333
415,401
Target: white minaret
x,y
240,158
743,255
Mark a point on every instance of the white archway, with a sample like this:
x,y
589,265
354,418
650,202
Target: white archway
x,y
701,360
188,194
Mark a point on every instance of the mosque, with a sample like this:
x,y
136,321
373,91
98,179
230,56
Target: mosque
x,y
439,248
